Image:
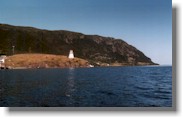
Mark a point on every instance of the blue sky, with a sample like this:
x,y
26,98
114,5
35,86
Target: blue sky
x,y
145,24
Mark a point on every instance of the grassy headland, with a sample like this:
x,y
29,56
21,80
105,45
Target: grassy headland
x,y
43,61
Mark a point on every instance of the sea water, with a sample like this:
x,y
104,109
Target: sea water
x,y
138,86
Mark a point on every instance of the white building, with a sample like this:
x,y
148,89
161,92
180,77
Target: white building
x,y
71,54
2,60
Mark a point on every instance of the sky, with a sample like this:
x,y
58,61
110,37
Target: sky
x,y
145,24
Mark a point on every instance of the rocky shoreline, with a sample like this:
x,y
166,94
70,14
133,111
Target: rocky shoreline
x,y
41,61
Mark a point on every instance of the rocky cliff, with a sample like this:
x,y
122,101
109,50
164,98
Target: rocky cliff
x,y
93,48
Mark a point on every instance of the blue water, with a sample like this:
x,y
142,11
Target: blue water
x,y
87,87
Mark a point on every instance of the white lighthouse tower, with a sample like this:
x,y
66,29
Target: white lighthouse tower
x,y
71,54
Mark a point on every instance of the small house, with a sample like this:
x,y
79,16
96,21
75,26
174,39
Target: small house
x,y
2,60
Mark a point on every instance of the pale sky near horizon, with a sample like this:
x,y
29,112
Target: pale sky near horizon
x,y
145,24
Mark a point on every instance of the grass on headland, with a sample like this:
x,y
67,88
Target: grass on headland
x,y
43,61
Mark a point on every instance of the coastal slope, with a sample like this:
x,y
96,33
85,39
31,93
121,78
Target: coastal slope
x,y
98,50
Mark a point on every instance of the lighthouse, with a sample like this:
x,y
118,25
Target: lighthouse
x,y
71,54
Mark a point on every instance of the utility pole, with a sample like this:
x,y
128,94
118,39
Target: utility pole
x,y
13,50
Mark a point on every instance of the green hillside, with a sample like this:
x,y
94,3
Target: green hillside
x,y
94,48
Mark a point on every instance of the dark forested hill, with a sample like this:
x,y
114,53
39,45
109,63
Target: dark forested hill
x,y
94,48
